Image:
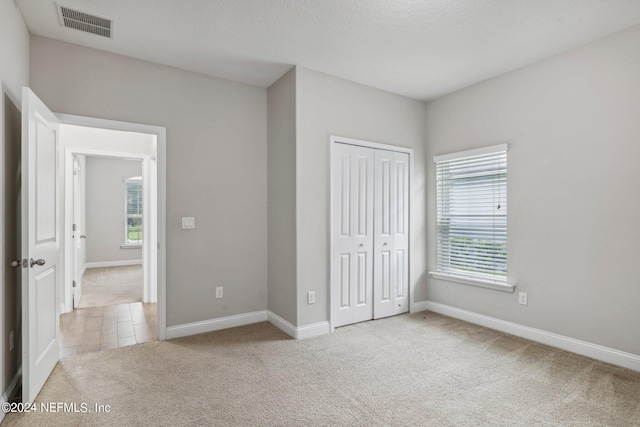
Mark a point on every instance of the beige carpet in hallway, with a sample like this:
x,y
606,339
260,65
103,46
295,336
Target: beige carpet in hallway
x,y
422,369
111,285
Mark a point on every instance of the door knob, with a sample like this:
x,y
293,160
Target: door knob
x,y
37,262
84,236
15,263
385,244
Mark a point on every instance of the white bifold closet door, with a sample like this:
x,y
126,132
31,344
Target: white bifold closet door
x,y
370,233
353,234
391,234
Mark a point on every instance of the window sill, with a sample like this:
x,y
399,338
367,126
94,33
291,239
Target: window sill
x,y
134,246
504,287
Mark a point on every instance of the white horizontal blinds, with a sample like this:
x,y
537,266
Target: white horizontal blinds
x,y
472,213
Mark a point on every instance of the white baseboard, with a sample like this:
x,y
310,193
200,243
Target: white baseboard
x,y
9,391
419,306
282,324
313,330
112,263
216,324
594,351
299,332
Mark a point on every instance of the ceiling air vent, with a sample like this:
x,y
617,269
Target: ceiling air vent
x,y
72,18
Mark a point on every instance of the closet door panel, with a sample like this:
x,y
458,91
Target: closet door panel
x,y
384,220
352,259
401,232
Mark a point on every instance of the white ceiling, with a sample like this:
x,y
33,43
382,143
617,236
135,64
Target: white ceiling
x,y
417,48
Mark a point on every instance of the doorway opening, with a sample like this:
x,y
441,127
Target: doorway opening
x,y
46,224
110,206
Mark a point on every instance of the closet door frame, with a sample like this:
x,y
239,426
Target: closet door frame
x,y
333,140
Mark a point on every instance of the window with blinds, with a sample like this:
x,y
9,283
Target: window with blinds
x,y
133,211
472,213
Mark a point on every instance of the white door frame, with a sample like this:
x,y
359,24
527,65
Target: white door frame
x,y
333,139
154,178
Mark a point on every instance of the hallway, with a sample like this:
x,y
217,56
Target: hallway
x,y
93,329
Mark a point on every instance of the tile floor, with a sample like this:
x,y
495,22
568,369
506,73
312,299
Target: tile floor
x,y
87,330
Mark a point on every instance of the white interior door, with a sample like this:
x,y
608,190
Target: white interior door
x,y
40,244
391,234
384,273
77,232
352,234
400,230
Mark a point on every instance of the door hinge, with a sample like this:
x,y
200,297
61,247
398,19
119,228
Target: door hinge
x,y
73,283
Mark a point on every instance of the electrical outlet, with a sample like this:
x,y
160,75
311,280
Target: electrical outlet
x,y
188,223
11,341
219,292
522,298
311,297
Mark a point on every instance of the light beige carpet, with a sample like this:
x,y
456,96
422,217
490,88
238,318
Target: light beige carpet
x,y
411,370
111,285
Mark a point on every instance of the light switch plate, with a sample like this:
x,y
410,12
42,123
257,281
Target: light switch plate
x,y
188,223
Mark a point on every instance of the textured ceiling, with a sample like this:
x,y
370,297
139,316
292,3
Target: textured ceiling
x,y
417,48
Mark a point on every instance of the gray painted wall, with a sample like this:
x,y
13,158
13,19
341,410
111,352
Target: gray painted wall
x,y
328,106
573,130
14,73
281,167
105,212
216,166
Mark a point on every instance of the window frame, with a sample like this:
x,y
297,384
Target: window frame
x,y
461,276
131,243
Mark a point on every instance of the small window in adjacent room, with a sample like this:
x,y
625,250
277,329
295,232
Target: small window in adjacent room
x,y
133,211
472,216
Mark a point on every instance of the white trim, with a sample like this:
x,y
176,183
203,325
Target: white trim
x,y
419,306
156,252
216,324
472,153
412,232
369,144
333,139
313,330
332,143
282,324
298,332
113,263
9,391
498,286
594,351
